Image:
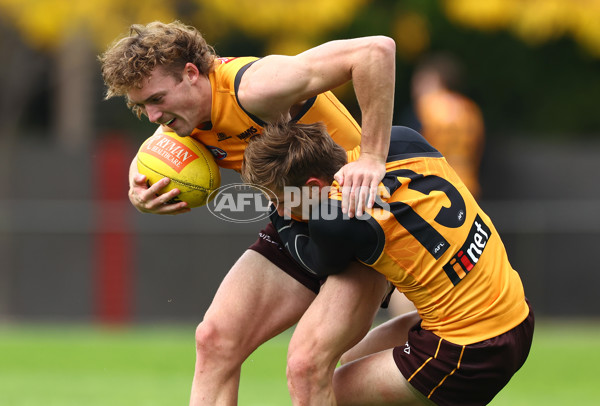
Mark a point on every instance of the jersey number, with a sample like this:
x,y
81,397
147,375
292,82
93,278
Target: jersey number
x,y
451,217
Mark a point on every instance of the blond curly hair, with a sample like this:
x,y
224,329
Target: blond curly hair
x,y
131,59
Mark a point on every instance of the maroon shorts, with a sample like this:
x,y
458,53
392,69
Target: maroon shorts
x,y
270,246
469,375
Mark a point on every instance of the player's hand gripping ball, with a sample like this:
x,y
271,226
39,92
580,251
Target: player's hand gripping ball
x,y
189,165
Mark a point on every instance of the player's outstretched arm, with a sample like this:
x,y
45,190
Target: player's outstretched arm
x,y
147,199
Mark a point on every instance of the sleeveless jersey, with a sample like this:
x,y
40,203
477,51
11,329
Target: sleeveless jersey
x,y
232,127
439,248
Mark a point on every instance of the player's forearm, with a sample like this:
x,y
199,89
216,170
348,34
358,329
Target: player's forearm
x,y
374,83
375,137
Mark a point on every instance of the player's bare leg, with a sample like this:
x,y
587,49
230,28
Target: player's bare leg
x,y
390,334
255,302
375,380
399,304
338,318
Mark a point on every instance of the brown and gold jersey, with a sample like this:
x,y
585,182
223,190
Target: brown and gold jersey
x,y
429,238
232,127
443,252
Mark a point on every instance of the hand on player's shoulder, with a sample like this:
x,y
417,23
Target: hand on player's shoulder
x,y
360,182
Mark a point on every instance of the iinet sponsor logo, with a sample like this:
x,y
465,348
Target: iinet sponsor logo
x,y
171,152
467,257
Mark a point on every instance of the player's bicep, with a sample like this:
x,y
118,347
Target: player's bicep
x,y
272,85
334,63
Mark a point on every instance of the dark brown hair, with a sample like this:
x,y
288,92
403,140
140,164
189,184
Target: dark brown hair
x,y
289,153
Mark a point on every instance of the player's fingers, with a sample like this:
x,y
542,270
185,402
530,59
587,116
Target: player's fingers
x,y
147,199
141,194
168,197
362,197
339,177
346,190
154,189
373,189
140,179
165,203
357,196
352,200
137,196
160,203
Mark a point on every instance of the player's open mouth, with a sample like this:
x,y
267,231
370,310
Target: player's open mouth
x,y
168,123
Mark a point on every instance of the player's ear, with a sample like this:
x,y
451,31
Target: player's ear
x,y
316,182
191,72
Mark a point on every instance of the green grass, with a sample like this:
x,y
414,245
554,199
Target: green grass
x,y
65,365
562,368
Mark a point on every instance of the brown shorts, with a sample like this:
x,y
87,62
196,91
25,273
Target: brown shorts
x,y
469,375
270,246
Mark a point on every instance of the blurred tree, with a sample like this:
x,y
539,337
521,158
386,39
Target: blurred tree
x,y
535,64
285,26
534,21
531,65
70,32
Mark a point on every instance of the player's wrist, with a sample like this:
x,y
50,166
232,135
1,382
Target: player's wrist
x,y
373,156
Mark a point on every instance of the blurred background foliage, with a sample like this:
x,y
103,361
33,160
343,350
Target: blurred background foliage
x,y
533,66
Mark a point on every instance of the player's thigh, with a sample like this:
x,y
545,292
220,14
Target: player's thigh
x,y
342,312
256,300
392,333
375,380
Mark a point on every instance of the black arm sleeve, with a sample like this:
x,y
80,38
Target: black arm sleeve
x,y
326,246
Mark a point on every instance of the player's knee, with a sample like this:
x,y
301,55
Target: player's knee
x,y
300,368
205,336
212,341
306,367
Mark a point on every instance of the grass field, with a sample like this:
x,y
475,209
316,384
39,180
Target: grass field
x,y
66,365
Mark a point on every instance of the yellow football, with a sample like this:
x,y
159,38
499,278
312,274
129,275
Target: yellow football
x,y
189,165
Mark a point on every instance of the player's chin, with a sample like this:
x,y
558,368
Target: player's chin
x,y
185,133
182,132
179,129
